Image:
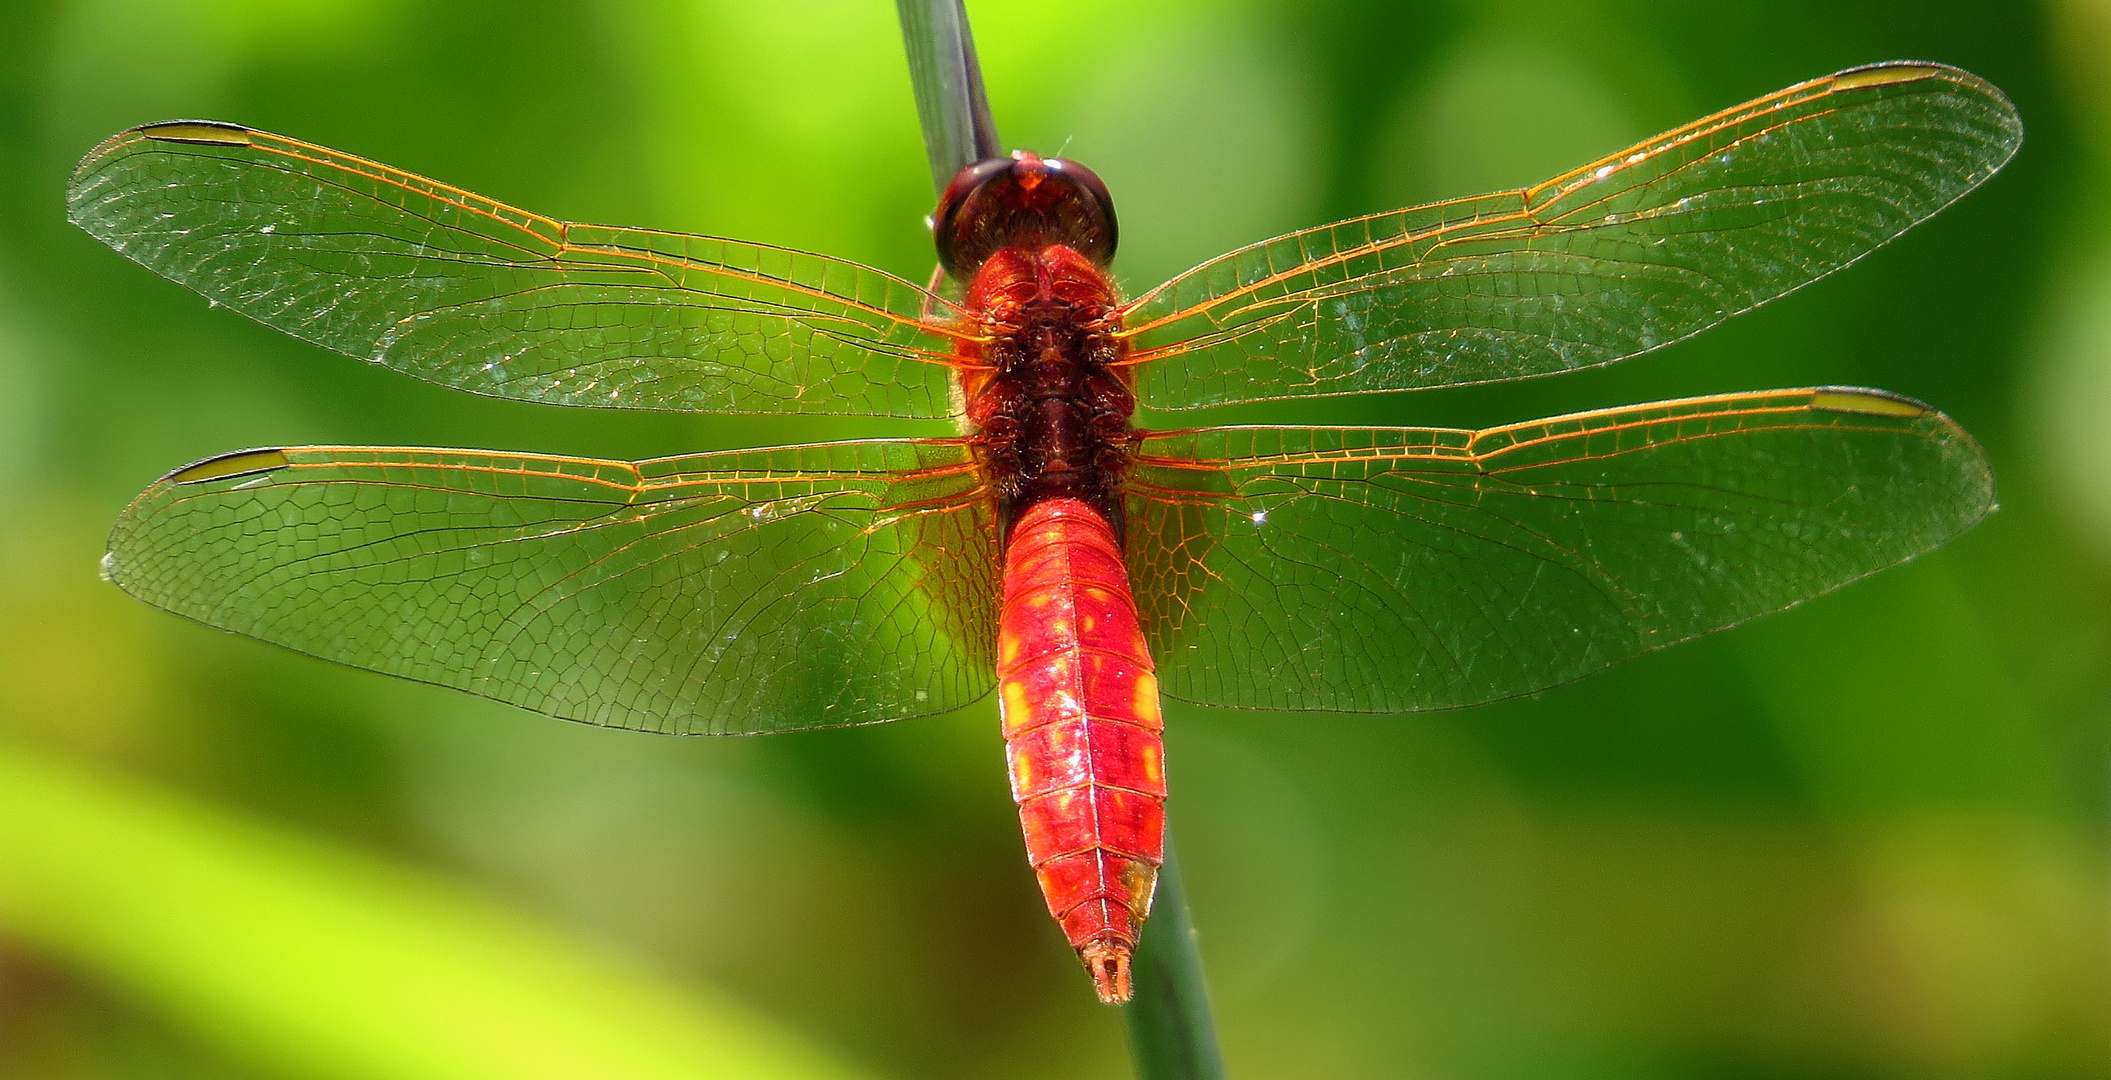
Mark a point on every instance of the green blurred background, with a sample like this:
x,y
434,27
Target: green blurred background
x,y
1863,839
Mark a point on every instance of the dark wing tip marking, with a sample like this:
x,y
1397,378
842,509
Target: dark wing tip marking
x,y
1867,402
213,132
239,463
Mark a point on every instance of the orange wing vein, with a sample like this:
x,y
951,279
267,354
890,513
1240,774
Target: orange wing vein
x,y
1626,254
746,591
1397,569
454,288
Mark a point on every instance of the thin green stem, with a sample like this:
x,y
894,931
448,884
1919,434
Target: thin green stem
x,y
1171,1035
951,104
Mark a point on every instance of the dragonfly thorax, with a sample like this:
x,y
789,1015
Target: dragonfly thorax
x,y
1052,414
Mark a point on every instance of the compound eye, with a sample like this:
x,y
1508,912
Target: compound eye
x,y
1023,200
1089,183
959,253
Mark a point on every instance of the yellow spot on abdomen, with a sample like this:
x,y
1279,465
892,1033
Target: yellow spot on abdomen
x,y
1146,701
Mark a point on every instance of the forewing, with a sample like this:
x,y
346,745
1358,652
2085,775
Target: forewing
x,y
457,289
1634,251
1397,569
750,591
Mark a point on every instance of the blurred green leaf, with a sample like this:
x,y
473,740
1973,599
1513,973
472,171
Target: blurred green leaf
x,y
319,962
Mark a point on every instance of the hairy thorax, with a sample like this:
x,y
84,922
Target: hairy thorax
x,y
1051,411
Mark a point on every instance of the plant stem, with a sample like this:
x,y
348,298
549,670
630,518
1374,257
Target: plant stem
x,y
1171,1035
951,104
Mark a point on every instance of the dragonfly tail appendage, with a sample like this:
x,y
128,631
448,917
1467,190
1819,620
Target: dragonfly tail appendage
x,y
1082,732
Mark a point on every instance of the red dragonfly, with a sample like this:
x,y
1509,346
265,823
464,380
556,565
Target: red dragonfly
x,y
1052,552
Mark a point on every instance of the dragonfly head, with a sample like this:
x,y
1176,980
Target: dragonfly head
x,y
1024,199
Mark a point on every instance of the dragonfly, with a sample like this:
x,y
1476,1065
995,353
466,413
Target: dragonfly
x,y
1053,553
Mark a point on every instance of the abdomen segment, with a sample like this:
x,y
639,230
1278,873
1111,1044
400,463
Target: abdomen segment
x,y
1082,732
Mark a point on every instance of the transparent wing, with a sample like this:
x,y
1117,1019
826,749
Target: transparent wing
x,y
758,590
1635,251
1396,569
451,287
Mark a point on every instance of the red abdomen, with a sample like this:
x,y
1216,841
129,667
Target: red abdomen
x,y
1081,730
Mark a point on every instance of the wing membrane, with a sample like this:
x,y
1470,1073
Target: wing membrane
x,y
1624,255
457,289
749,591
1397,569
